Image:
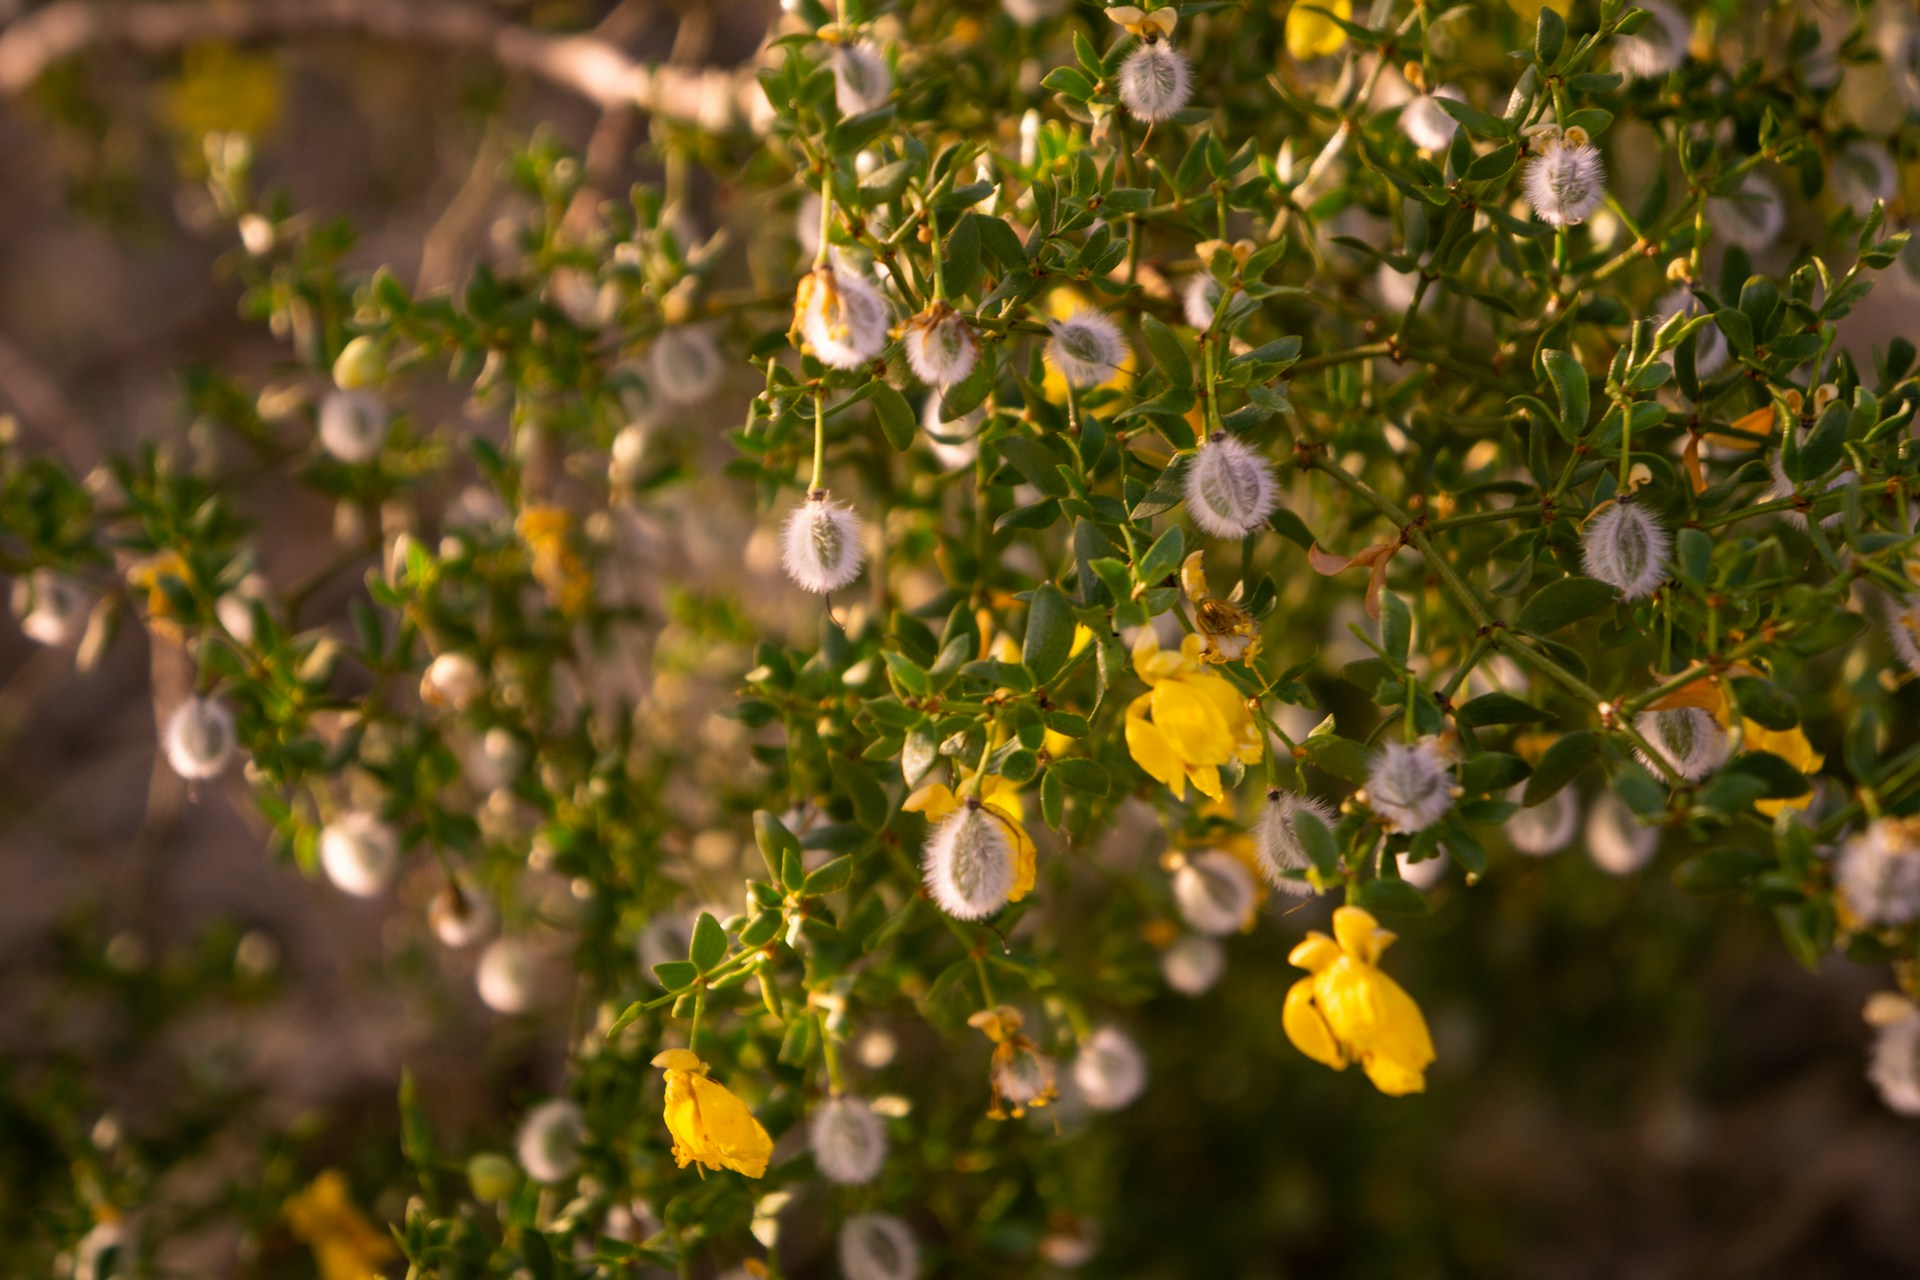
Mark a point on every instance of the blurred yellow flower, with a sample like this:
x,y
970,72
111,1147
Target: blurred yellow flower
x,y
1190,721
1311,33
557,566
345,1245
709,1125
221,90
999,797
1347,1010
146,577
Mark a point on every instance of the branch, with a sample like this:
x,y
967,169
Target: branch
x,y
714,98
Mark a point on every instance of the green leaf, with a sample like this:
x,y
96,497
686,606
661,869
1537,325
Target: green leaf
x,y
1475,120
1168,355
709,943
1391,897
1036,463
1049,636
1570,386
1316,842
1549,36
678,975
1782,780
896,416
1069,83
870,805
1081,775
1338,756
1765,703
1564,761
1396,628
1499,708
1562,603
1162,559
1000,240
1818,454
830,878
774,840
1719,871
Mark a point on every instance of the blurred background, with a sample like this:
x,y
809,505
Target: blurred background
x,y
1632,1083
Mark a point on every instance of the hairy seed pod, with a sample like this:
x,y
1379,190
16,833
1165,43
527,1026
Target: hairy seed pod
x,y
1110,1071
461,915
1086,349
1546,827
862,81
1277,843
52,608
1878,872
359,853
1410,785
1229,487
1193,964
1155,81
821,545
1426,122
968,862
683,366
849,1141
878,1246
844,318
199,741
1659,46
1687,738
1894,1068
451,680
1617,841
941,346
549,1141
1903,630
955,441
1215,893
1566,181
353,425
1625,547
1200,300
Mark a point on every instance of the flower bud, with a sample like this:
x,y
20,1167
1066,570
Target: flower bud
x,y
1878,872
1193,964
359,853
506,976
878,1246
1230,489
1687,738
360,364
1110,1071
1278,845
1426,122
1567,180
199,739
862,81
849,1141
492,1176
1410,785
1546,827
941,346
1618,842
1625,547
451,680
684,365
968,862
52,608
1659,46
821,545
1215,893
353,425
1086,349
843,317
549,1141
1155,81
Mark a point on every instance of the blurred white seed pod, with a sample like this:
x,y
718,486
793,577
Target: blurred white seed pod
x,y
1086,349
1658,47
684,365
1215,892
1566,181
878,1246
1410,785
955,441
1277,843
1155,81
1752,217
257,234
941,346
1709,344
1229,487
499,759
52,608
1424,874
1863,171
461,915
968,862
1071,1244
1903,630
199,739
549,1141
821,545
849,1141
1687,738
1617,841
1200,300
1110,1071
1878,872
105,1252
1426,122
624,458
507,976
353,425
1193,964
862,81
1022,1075
235,608
1894,1067
1900,47
1783,488
845,318
1546,827
359,853
1626,548
451,680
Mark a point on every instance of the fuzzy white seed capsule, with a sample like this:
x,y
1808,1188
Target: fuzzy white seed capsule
x,y
1110,1071
684,366
849,1141
1687,738
862,80
968,863
1617,841
941,346
1277,842
52,608
955,441
1709,344
1752,217
1626,548
1546,827
1426,122
1903,630
1878,872
878,1246
1783,488
199,740
506,976
821,545
1894,1068
1657,47
1424,874
1086,349
1215,893
1155,81
1193,964
1200,300
1229,487
628,452
460,915
1566,181
359,853
353,425
845,318
451,680
549,1141
1410,785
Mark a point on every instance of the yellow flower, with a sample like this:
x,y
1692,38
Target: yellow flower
x,y
557,566
1346,1010
145,576
1792,746
221,90
1227,632
999,797
1190,721
345,1245
1062,304
1312,34
1021,1076
709,1125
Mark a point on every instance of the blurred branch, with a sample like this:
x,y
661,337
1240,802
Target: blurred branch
x,y
714,98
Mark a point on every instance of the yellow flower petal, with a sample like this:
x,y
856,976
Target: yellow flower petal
x,y
713,1128
1192,722
1151,750
935,799
1307,1029
1312,34
1368,1016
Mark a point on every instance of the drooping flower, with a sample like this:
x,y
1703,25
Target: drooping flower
x,y
821,545
1214,891
878,1246
1110,1071
1229,487
1878,874
1895,1066
353,425
978,856
1190,721
842,317
1021,1075
199,740
1193,964
345,1245
1659,46
684,365
1546,827
849,1141
1618,842
710,1126
1752,216
359,853
1312,33
1086,349
1347,1010
1278,842
1410,785
862,81
1626,548
549,1141
1689,739
1426,122
941,346
52,608
1227,632
1567,180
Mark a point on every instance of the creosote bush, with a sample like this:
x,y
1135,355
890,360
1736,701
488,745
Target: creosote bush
x,y
1244,471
